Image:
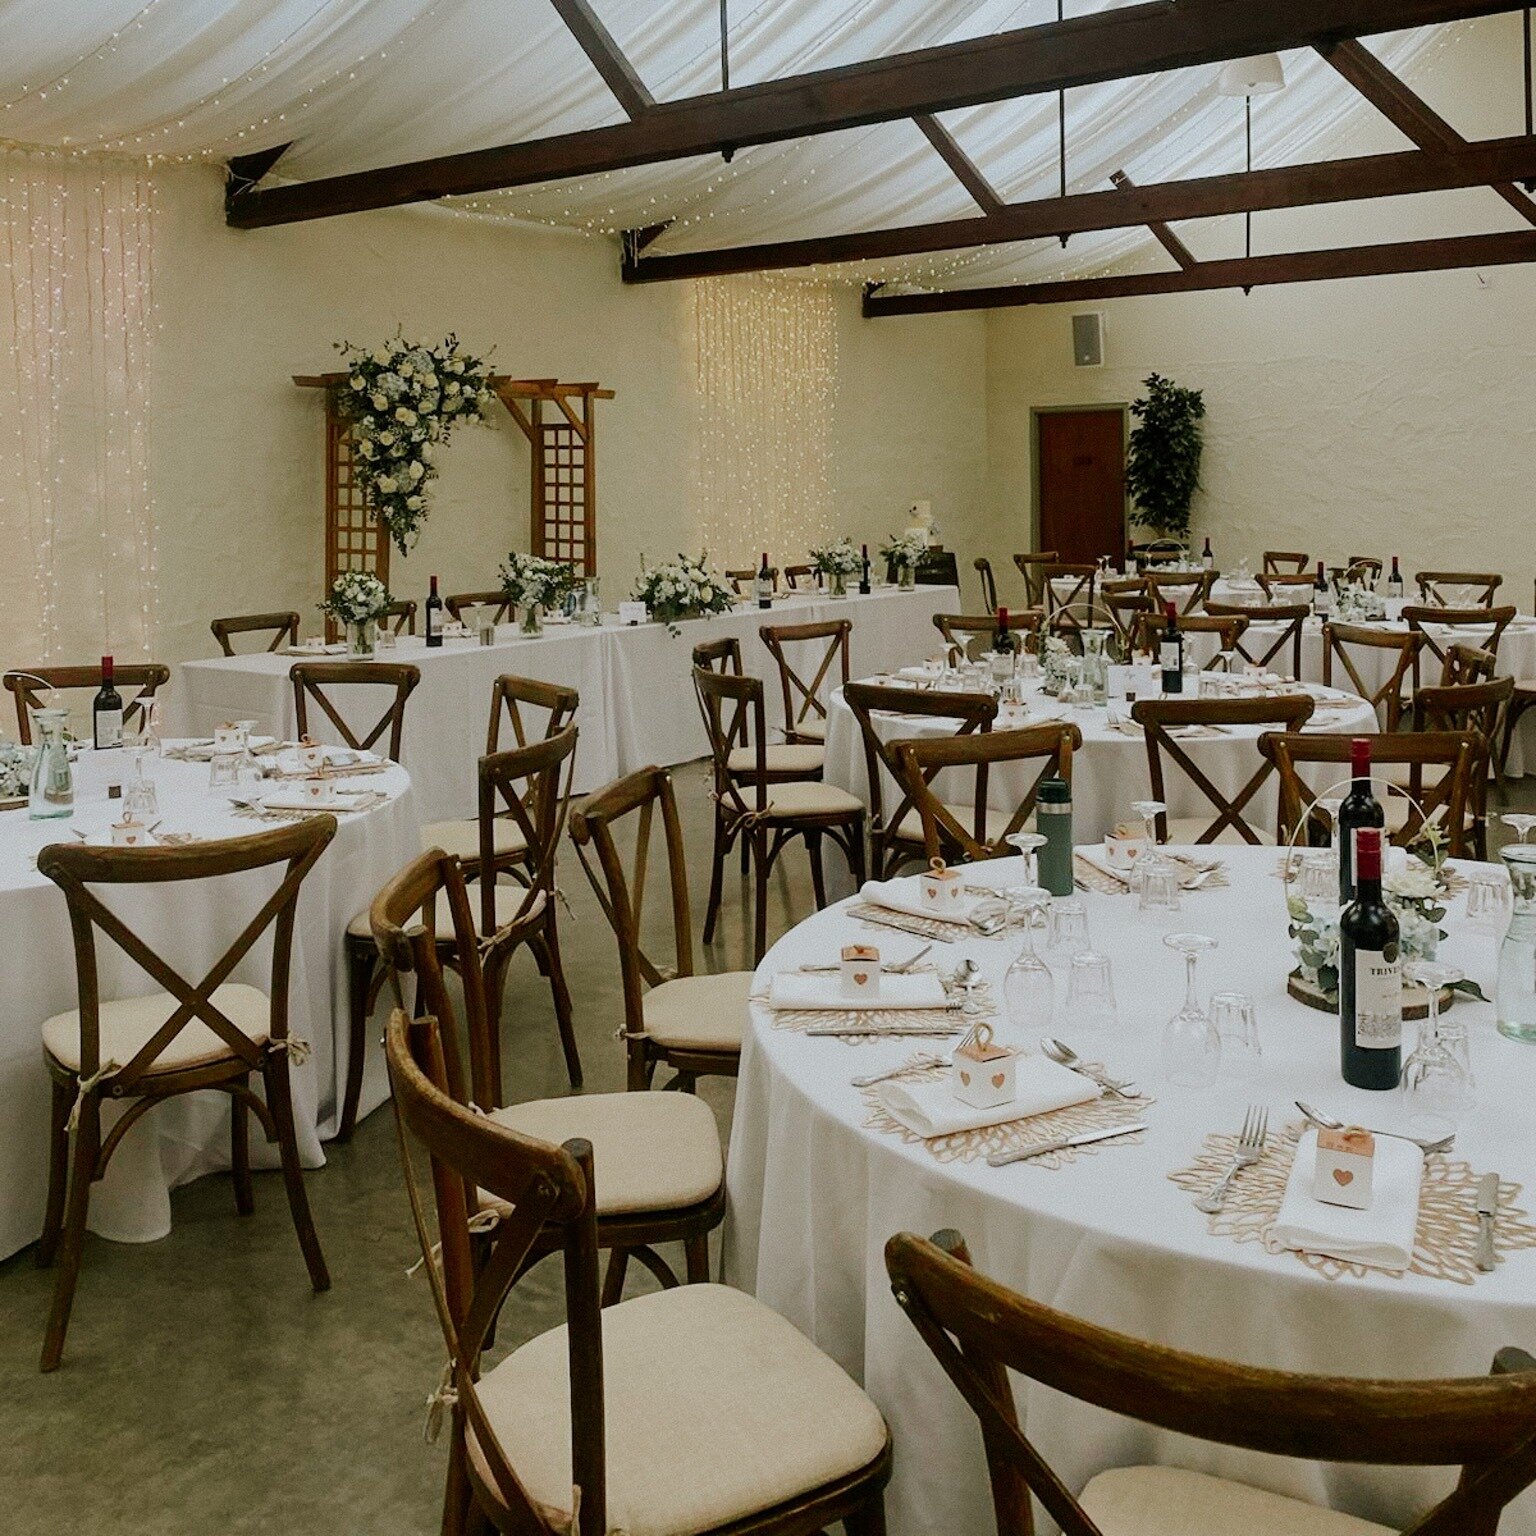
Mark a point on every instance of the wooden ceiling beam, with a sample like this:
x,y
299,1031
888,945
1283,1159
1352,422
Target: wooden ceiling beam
x,y
1251,272
1113,44
1164,236
1407,111
1400,173
965,169
607,57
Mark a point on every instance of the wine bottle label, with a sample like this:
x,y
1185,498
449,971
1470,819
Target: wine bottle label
x,y
1168,654
109,728
1378,1000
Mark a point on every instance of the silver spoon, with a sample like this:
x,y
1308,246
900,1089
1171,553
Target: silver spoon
x,y
1329,1123
1063,1054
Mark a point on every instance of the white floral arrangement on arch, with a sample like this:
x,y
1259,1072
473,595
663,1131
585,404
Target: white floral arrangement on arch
x,y
356,597
403,401
531,581
683,589
905,550
839,558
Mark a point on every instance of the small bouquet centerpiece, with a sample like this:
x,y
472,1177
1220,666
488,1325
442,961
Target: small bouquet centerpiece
x,y
837,561
904,551
356,601
1359,604
1055,663
531,583
683,589
15,771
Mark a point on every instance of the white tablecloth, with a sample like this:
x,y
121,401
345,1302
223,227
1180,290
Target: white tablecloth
x,y
191,925
815,1194
1109,770
637,701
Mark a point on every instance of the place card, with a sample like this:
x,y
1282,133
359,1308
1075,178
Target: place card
x,y
634,613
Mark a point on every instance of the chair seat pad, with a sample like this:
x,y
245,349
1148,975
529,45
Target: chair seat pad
x,y
811,797
806,760
813,728
701,1013
650,1151
910,828
1168,1501
1186,830
128,1025
462,838
716,1408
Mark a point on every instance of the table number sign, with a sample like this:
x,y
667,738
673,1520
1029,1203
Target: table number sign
x,y
634,613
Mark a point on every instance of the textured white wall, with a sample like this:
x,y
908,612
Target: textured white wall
x,y
237,447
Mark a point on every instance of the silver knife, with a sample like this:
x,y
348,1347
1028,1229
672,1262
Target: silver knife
x,y
1082,1139
1487,1209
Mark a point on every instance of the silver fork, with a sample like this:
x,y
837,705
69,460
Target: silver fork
x,y
1250,1148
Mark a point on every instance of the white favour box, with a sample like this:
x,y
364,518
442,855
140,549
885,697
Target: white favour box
x,y
982,1074
943,890
311,756
318,791
861,970
1123,847
1345,1159
129,833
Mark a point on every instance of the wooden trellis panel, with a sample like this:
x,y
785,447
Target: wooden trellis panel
x,y
354,541
563,529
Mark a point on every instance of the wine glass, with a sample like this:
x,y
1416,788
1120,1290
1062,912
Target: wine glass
x,y
1149,811
1520,823
1028,991
1026,845
1191,1044
1436,1079
152,725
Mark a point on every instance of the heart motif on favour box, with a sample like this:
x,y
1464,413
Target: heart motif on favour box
x,y
1343,1177
965,1077
860,978
997,1079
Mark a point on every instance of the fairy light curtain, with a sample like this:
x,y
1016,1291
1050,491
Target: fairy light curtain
x,y
77,516
766,389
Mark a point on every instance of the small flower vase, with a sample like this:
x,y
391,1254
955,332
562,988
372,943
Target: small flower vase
x,y
906,577
837,584
361,637
533,619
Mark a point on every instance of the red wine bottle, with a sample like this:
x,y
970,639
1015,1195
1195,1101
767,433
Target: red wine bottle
x,y
1370,978
764,584
1395,580
107,711
1170,652
434,616
864,570
1322,594
1360,808
1207,559
1004,644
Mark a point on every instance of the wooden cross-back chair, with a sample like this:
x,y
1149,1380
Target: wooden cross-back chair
x,y
1228,629
1067,609
1273,628
1457,589
1444,627
460,602
969,636
1480,709
666,1174
744,579
805,708
722,655
1122,598
282,627
795,574
983,568
313,679
1280,561
896,838
1468,664
1159,718
1158,552
1435,768
1287,589
1344,643
1032,568
785,760
652,1389
979,1330
768,815
1187,590
191,1036
27,684
400,615
693,1023
965,833
1364,569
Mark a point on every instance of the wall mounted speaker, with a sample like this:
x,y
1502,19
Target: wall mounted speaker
x,y
1088,340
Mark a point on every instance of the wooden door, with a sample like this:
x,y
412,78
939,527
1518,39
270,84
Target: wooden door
x,y
1080,482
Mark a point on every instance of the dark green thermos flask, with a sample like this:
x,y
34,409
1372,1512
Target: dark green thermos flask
x,y
1053,819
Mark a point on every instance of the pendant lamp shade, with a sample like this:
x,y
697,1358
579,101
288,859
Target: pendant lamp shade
x,y
1261,74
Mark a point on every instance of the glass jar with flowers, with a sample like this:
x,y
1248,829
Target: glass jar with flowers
x,y
683,589
837,561
533,584
904,552
356,601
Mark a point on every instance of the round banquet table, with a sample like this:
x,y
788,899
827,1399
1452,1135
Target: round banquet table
x,y
815,1193
190,925
1109,770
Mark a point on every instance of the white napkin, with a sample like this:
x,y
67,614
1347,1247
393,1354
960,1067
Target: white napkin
x,y
1093,853
794,989
904,894
914,675
1382,1236
930,1109
297,800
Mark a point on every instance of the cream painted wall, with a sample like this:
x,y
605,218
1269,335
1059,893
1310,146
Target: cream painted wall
x,y
237,447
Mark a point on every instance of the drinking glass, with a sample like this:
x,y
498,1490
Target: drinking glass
x,y
1026,845
1067,935
1159,887
1318,880
224,770
1436,1079
1149,811
1520,823
140,802
152,724
1028,991
1191,1045
1090,1005
1237,1025
1488,901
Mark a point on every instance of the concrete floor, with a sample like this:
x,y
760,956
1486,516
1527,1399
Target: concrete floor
x,y
205,1389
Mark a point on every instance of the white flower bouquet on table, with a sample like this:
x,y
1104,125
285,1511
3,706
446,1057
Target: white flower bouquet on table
x,y
905,550
837,561
404,400
15,770
356,601
532,584
1055,663
1359,604
683,589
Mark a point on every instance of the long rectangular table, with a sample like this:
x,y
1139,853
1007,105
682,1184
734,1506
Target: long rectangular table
x,y
637,702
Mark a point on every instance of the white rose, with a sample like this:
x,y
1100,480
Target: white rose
x,y
416,470
357,381
386,483
456,366
452,387
404,370
381,355
414,503
406,414
386,437
429,381
379,402
428,452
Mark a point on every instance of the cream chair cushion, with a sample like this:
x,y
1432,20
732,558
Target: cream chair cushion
x,y
701,1013
1168,1501
716,1408
650,1151
1184,831
910,828
810,797
127,1026
462,838
778,759
813,728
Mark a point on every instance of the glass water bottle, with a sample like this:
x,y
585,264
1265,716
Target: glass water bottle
x,y
1514,1006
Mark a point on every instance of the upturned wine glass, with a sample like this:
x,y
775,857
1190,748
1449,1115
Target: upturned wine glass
x,y
1191,1044
1149,811
1028,991
1436,1079
1520,823
1027,845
